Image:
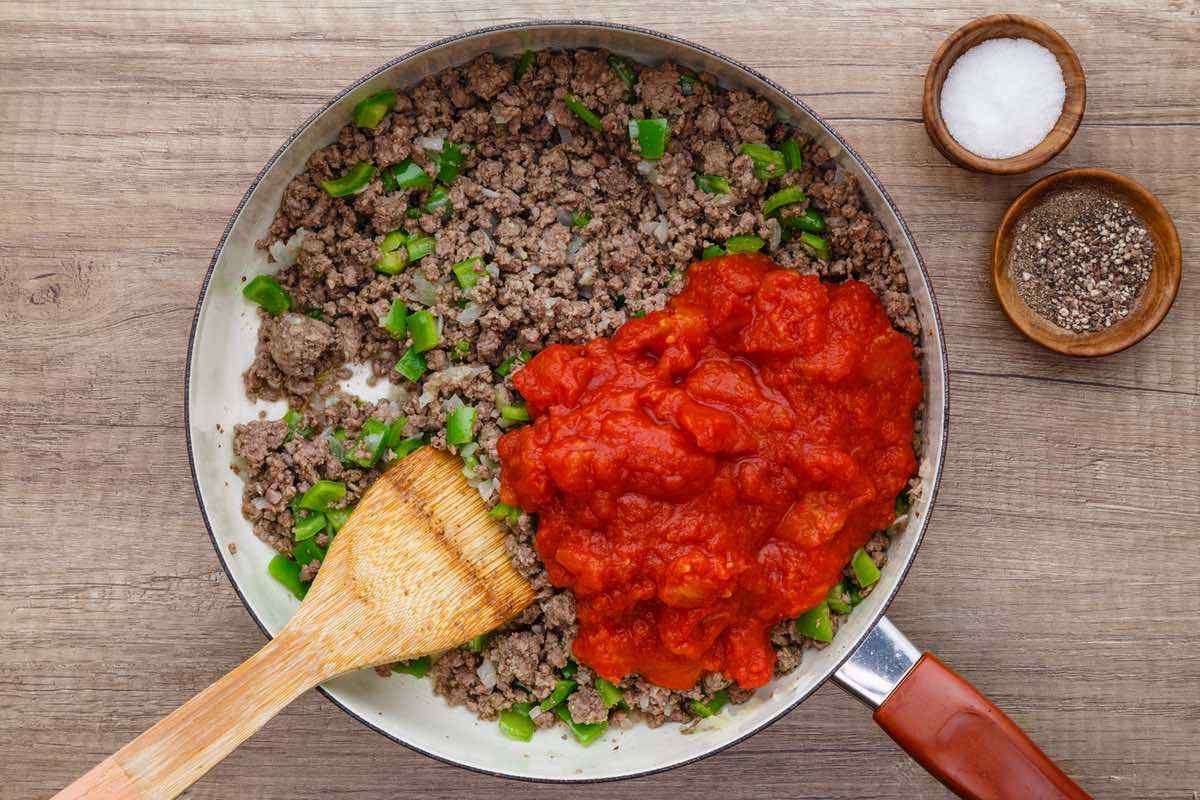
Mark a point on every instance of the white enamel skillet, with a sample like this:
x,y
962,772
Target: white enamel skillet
x,y
960,737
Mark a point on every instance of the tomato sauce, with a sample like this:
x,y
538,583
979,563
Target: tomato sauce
x,y
709,470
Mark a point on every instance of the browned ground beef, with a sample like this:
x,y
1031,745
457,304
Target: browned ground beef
x,y
531,167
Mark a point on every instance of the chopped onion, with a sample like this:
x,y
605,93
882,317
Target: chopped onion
x,y
550,118
490,194
647,168
424,292
259,503
587,276
487,674
573,248
469,314
775,233
468,449
452,402
533,269
660,230
564,217
492,269
564,135
285,253
454,374
501,395
430,142
485,488
648,226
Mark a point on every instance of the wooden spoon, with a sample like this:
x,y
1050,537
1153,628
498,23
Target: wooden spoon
x,y
418,568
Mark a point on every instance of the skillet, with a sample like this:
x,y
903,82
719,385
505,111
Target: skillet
x,y
944,723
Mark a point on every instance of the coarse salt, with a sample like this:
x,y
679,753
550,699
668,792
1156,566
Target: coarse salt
x,y
1002,97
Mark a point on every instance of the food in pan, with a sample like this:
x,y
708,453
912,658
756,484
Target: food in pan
x,y
512,224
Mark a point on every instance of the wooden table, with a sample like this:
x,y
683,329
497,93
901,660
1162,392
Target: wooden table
x,y
1062,569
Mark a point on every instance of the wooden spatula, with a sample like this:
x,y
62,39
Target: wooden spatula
x,y
418,568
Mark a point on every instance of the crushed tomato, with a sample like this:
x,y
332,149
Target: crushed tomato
x,y
709,470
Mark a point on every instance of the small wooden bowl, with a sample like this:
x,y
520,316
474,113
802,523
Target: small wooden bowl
x,y
1156,298
995,27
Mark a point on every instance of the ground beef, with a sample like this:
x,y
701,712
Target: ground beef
x,y
575,234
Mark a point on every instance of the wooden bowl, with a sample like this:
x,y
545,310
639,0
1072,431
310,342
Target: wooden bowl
x,y
999,26
1156,298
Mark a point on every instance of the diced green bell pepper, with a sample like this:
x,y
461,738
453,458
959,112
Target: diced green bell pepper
x,y
417,667
609,693
562,689
438,200
353,182
768,163
460,426
652,136
396,321
744,244
521,66
816,624
711,705
786,196
287,572
266,291
837,604
309,526
294,419
409,175
307,551
322,495
395,433
585,734
713,184
516,413
811,221
515,722
370,111
336,517
467,272
864,569
791,155
584,113
408,445
817,245
512,362
411,365
423,328
712,251
623,69
370,442
420,246
450,162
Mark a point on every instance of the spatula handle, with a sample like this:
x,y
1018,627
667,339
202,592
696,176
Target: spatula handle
x,y
169,757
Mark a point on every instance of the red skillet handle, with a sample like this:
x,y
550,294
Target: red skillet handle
x,y
967,743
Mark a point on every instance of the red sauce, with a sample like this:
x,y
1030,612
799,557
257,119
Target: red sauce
x,y
710,469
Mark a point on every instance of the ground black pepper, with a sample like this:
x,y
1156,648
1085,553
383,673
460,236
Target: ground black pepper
x,y
1081,259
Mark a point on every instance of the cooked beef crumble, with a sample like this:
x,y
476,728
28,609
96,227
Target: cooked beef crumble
x,y
577,233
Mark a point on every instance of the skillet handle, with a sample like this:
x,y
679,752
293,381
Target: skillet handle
x,y
954,732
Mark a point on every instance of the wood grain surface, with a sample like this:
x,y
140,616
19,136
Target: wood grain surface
x,y
1060,572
